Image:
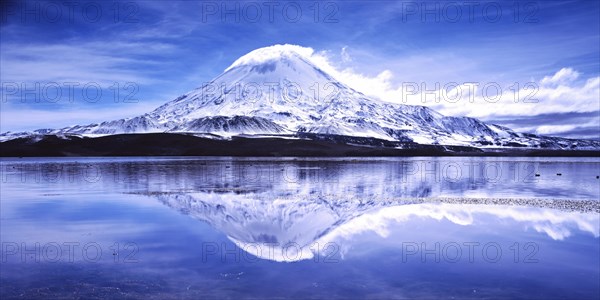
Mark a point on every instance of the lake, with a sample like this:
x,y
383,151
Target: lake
x,y
221,227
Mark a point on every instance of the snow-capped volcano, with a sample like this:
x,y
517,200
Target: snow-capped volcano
x,y
278,90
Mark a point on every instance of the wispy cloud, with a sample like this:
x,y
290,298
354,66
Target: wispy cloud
x,y
101,62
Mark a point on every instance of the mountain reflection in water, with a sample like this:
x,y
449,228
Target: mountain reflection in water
x,y
312,228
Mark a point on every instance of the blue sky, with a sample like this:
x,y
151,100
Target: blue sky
x,y
159,50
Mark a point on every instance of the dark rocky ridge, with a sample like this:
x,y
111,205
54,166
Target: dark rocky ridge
x,y
302,144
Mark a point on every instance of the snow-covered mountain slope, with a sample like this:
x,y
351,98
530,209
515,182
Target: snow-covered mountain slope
x,y
277,90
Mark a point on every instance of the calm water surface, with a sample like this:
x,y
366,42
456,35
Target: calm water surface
x,y
300,228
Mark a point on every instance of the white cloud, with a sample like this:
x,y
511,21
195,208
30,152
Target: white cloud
x,y
345,55
552,129
565,75
265,54
557,94
529,99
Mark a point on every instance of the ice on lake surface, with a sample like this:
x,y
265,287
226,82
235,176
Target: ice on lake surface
x,y
300,228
